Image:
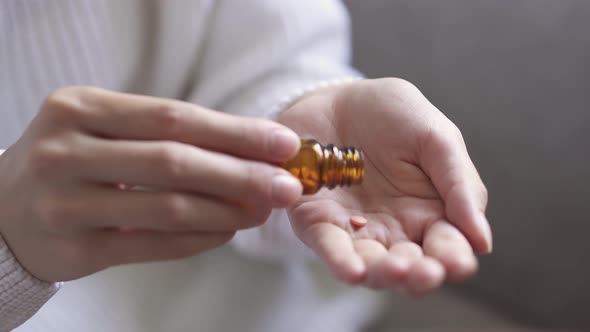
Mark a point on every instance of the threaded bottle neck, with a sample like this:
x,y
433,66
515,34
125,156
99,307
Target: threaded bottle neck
x,y
341,166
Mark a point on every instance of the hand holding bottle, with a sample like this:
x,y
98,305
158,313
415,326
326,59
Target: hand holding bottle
x,y
64,211
421,203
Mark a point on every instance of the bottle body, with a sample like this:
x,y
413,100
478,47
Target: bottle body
x,y
318,166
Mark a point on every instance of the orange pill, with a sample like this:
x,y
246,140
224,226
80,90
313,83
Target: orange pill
x,y
358,221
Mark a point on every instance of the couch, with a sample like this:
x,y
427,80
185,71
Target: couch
x,y
515,77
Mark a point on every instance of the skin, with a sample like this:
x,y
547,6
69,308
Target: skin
x,y
422,196
66,210
358,221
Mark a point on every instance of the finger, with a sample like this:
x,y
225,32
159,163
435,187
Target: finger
x,y
176,166
374,255
103,207
401,256
424,275
111,247
387,268
447,245
406,251
125,116
334,246
446,161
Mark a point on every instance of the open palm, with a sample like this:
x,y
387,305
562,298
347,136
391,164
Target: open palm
x,y
422,196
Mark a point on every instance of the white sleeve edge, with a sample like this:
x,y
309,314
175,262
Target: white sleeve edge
x,y
21,294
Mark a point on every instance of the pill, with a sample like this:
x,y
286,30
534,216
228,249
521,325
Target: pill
x,y
358,221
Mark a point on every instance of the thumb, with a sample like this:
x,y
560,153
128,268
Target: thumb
x,y
445,159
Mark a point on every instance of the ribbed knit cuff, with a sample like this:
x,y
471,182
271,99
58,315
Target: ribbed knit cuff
x,y
21,294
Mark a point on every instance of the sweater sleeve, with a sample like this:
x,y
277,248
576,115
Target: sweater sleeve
x,y
260,56
21,294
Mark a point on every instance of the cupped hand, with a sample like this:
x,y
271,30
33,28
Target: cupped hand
x,y
422,196
65,207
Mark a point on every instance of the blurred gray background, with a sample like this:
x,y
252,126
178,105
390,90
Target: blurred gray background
x,y
515,77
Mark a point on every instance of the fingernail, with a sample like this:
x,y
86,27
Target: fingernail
x,y
286,189
284,143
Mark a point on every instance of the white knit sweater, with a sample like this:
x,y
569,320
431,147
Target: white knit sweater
x,y
240,57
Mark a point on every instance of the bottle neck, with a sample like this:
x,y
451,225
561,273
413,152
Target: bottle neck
x,y
341,166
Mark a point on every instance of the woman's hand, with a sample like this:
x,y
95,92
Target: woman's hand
x,y
422,196
66,209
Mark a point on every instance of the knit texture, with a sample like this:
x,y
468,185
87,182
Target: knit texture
x,y
21,294
247,58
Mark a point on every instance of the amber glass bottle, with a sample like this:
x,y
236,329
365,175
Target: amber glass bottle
x,y
318,166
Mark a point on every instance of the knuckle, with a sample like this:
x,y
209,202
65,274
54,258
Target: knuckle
x,y
175,210
168,160
57,97
66,102
50,158
168,116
